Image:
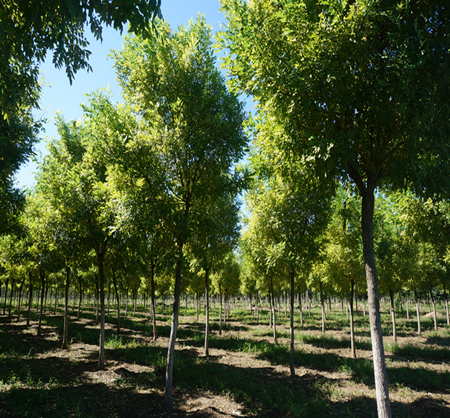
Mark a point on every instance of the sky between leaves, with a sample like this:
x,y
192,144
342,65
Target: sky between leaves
x,y
59,95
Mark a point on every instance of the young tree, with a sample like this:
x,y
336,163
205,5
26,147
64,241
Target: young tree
x,y
190,122
361,88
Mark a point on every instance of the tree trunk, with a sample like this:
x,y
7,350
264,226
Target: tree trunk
x,y
220,310
6,295
207,312
116,291
80,299
152,285
394,327
55,306
126,303
42,274
20,295
101,276
300,308
274,321
66,311
45,301
173,331
30,300
433,303
11,298
407,308
257,305
419,328
379,362
291,348
446,304
198,304
352,320
322,304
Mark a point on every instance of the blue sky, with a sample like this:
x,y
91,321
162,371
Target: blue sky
x,y
59,95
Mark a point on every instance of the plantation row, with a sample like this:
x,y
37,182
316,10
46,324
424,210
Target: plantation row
x,y
246,374
17,306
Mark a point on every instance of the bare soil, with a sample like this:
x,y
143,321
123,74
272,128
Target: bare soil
x,y
120,391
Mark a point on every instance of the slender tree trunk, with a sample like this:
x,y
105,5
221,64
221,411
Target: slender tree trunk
x,y
117,298
379,362
394,327
198,304
11,298
419,328
96,300
308,302
55,306
207,312
126,303
407,308
173,331
30,300
45,301
446,305
322,304
291,348
433,303
66,311
220,311
274,320
101,276
152,283
352,320
257,305
41,311
80,299
20,295
300,308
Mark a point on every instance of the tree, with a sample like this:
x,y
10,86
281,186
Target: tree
x,y
361,89
17,138
291,210
30,29
191,124
75,175
214,235
343,257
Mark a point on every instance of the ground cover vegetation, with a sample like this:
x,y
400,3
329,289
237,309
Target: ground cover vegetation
x,y
245,374
129,274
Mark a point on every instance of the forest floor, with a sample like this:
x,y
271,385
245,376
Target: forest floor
x,y
245,375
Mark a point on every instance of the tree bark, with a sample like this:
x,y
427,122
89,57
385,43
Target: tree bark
x,y
379,362
116,291
220,311
207,312
152,285
173,331
446,305
274,321
352,320
101,276
394,327
30,300
419,328
41,307
20,295
291,348
322,304
433,303
11,297
66,311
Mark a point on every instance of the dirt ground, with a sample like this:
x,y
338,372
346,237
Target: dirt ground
x,y
147,401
